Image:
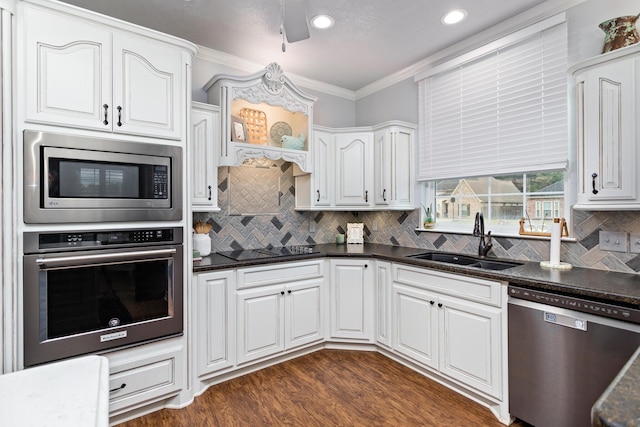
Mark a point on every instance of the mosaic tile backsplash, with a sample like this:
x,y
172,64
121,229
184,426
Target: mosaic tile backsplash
x,y
290,227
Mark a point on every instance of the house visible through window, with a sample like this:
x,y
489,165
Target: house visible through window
x,y
503,200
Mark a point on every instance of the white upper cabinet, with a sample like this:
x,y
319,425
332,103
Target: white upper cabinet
x,y
205,131
263,115
354,169
363,168
83,74
607,110
394,175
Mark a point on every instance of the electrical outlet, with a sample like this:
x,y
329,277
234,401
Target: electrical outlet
x,y
634,244
374,225
616,241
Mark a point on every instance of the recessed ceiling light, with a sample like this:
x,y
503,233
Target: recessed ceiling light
x,y
454,16
322,22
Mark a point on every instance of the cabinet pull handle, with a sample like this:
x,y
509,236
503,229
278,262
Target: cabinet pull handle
x,y
281,292
384,195
209,192
289,291
366,196
593,182
318,199
439,304
106,113
119,108
118,388
431,302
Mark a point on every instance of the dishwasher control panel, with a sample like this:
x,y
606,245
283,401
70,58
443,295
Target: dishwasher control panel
x,y
577,304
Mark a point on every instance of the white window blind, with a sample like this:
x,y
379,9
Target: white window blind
x,y
502,112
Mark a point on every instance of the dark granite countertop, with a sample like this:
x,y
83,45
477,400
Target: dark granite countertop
x,y
604,286
618,406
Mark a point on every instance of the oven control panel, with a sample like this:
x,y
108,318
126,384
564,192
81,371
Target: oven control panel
x,y
577,304
55,241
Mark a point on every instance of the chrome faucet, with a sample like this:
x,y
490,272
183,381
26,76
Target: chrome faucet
x,y
478,231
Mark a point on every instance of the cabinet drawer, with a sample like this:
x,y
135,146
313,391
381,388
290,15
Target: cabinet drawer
x,y
469,288
144,380
278,273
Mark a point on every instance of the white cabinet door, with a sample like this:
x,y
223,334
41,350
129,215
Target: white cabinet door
x,y
67,66
260,325
393,167
354,169
383,303
470,344
81,74
205,131
351,300
415,332
322,176
148,86
303,313
214,304
382,167
607,112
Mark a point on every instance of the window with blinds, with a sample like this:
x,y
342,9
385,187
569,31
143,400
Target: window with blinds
x,y
497,111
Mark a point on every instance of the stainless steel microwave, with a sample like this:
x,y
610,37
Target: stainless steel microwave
x,y
69,179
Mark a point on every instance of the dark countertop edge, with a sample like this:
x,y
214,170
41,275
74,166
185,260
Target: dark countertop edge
x,y
604,286
619,404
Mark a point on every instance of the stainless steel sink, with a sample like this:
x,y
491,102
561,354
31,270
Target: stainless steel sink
x,y
465,260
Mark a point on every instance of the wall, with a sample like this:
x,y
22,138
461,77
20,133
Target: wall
x,y
397,102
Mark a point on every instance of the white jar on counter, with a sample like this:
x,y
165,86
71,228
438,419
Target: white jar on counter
x,y
202,243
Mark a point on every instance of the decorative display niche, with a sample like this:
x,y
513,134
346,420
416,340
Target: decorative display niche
x,y
263,115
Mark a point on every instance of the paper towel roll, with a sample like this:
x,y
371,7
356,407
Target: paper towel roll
x,y
554,254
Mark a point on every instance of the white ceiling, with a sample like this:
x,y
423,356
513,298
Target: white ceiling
x,y
371,39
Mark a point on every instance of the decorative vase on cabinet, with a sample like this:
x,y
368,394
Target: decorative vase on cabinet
x,y
263,115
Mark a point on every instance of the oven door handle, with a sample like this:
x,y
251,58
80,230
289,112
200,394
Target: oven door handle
x,y
104,257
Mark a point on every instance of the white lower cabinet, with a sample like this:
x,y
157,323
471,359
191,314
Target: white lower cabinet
x,y
214,300
383,303
145,375
278,308
438,323
415,320
469,344
352,295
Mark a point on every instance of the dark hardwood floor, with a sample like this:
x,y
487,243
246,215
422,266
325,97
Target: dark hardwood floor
x,y
327,388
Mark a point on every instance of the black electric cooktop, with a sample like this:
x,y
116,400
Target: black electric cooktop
x,y
282,252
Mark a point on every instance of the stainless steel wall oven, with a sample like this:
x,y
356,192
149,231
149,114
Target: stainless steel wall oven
x,y
69,178
92,291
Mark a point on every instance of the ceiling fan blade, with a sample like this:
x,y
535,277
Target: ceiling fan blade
x,y
295,20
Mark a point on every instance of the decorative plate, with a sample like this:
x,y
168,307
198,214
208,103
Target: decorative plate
x,y
278,129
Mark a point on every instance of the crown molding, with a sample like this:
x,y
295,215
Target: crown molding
x,y
528,17
235,62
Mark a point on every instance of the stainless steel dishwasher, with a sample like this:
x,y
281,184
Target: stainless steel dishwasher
x,y
563,353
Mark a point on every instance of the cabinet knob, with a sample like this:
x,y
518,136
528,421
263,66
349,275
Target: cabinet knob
x,y
209,192
289,291
439,304
431,302
119,108
593,182
106,113
366,265
281,292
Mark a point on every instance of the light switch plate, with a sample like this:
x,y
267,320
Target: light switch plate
x,y
616,241
634,243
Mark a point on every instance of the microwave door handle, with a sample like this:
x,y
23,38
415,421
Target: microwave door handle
x,y
104,257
